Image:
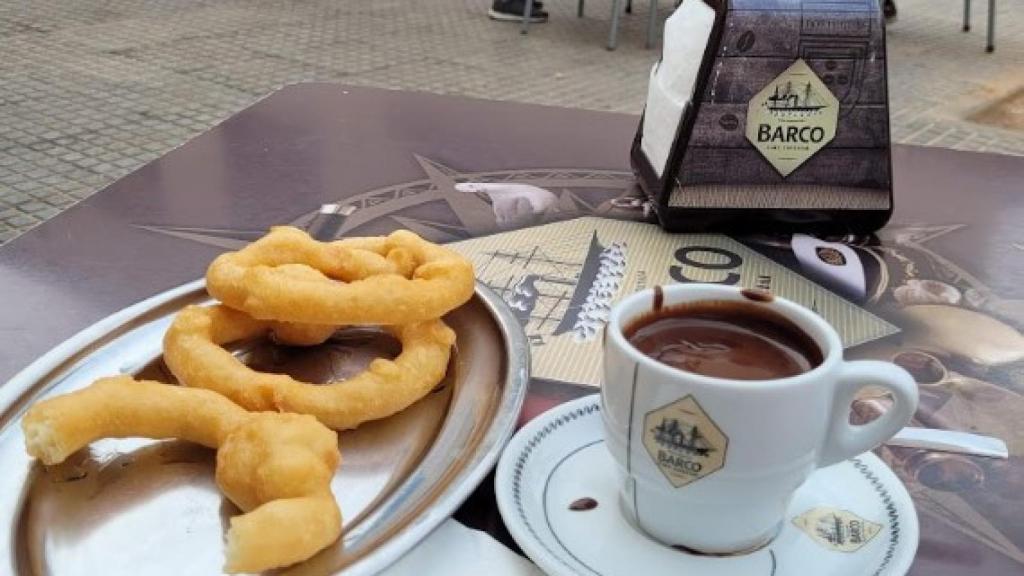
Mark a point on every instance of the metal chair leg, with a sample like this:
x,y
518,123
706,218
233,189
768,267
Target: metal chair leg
x,y
652,20
527,13
579,9
613,34
629,6
991,47
967,15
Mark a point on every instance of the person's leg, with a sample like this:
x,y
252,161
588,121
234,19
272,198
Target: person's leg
x,y
512,11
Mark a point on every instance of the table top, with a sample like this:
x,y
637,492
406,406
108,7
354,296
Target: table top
x,y
397,155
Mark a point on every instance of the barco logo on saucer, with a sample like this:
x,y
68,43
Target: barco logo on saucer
x,y
684,442
835,529
792,118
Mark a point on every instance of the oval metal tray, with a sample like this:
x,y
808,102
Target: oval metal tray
x,y
136,506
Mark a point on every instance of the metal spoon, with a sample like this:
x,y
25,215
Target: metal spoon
x,y
950,441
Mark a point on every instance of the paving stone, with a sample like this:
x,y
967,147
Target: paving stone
x,y
31,206
12,198
47,212
20,220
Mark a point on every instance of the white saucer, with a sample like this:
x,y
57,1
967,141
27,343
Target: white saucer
x,y
559,458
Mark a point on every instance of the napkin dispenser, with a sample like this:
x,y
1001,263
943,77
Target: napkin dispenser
x,y
768,115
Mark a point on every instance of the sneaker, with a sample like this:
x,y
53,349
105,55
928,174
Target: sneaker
x,y
889,9
512,11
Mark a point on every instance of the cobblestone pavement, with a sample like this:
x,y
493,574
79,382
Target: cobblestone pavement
x,y
93,89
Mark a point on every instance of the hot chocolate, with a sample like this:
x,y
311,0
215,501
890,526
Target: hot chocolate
x,y
733,340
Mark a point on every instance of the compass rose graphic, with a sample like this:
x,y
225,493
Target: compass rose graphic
x,y
434,209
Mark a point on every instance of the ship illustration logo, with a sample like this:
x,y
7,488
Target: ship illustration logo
x,y
835,529
553,295
682,437
788,99
684,442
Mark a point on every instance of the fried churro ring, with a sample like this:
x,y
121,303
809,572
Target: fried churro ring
x,y
292,334
288,276
194,354
276,467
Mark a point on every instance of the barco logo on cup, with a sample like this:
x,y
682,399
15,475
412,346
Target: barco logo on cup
x,y
684,442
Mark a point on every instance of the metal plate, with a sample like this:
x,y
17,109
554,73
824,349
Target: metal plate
x,y
134,505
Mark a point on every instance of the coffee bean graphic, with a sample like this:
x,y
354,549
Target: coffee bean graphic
x,y
746,41
729,122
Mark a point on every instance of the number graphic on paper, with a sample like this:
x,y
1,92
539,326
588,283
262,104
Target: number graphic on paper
x,y
684,256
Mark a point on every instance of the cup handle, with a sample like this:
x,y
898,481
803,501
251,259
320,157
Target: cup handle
x,y
846,440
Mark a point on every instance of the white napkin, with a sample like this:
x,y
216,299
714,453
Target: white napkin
x,y
671,85
460,551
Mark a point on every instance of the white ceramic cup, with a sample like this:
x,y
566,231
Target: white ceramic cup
x,y
710,464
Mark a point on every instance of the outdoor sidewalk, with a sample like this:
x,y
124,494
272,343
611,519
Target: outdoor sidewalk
x,y
94,89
